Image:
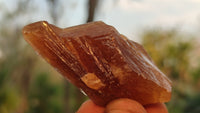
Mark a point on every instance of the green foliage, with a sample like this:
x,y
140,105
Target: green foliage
x,y
45,97
9,97
171,51
3,75
193,104
196,73
75,98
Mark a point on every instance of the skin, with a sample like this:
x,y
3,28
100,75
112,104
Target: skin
x,y
122,105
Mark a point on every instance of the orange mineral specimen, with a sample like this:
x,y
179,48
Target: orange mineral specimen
x,y
98,60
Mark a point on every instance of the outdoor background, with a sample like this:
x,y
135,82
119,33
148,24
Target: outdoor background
x,y
168,29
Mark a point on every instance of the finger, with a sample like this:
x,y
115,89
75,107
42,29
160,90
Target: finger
x,y
90,107
156,108
124,105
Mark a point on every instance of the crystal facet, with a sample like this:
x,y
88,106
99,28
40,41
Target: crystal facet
x,y
103,63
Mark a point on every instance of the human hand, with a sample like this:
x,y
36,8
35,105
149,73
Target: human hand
x,y
122,106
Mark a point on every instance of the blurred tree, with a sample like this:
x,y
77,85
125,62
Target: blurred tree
x,y
196,72
15,75
55,9
8,93
18,63
44,96
193,105
92,5
171,52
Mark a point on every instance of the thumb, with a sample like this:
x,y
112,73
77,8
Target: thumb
x,y
124,105
90,107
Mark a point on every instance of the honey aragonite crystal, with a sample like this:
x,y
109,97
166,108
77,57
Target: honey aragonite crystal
x,y
98,60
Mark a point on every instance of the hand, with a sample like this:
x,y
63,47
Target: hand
x,y
122,106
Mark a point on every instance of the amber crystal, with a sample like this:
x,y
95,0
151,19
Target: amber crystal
x,y
100,61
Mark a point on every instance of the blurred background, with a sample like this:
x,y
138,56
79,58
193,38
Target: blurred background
x,y
168,29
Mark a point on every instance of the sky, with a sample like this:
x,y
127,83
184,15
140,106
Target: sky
x,y
129,17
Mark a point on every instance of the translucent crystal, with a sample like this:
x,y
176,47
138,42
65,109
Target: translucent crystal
x,y
103,63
